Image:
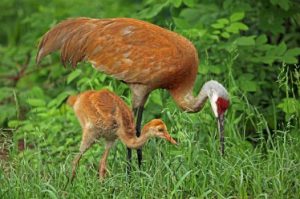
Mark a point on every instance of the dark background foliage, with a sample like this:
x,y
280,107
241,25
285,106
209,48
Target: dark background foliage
x,y
252,47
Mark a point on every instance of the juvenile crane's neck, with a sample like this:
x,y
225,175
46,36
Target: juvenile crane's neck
x,y
135,142
185,99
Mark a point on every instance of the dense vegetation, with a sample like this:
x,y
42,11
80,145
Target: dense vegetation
x,y
252,47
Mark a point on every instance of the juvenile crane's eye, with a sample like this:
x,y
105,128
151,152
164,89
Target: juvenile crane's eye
x,y
160,129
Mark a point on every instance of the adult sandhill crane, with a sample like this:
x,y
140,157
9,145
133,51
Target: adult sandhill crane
x,y
102,114
141,54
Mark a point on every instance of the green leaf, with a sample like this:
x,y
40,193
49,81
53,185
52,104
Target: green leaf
x,y
76,73
152,11
245,41
293,52
248,86
217,26
247,83
36,102
240,26
223,21
265,47
268,59
190,3
194,33
284,4
225,35
289,105
290,56
61,98
236,27
156,97
176,3
217,69
204,69
28,127
262,39
181,23
232,29
289,59
237,16
14,123
280,49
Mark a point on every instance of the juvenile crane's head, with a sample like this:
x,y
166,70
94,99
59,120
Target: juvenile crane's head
x,y
157,128
219,100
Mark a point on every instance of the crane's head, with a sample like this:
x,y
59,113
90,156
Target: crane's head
x,y
219,100
157,128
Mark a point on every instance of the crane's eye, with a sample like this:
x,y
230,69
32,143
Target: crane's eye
x,y
160,129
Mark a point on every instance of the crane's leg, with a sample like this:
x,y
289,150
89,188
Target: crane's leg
x,y
221,131
139,116
129,156
138,113
102,163
139,97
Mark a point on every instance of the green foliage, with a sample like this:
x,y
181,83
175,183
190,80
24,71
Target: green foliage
x,y
252,47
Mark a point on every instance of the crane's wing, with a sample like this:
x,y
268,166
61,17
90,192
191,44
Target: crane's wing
x,y
128,49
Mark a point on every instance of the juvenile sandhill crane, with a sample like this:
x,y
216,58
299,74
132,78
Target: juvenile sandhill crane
x,y
141,54
102,114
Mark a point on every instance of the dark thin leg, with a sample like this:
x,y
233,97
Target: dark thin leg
x,y
129,151
138,133
221,131
129,155
138,112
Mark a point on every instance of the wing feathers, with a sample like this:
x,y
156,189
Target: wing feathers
x,y
128,49
57,36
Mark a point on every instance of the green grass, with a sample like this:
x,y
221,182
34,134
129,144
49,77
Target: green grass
x,y
194,168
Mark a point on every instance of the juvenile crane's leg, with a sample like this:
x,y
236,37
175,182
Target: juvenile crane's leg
x,y
87,141
102,163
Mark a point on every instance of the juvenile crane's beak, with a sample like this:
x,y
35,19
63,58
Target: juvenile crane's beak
x,y
221,131
168,137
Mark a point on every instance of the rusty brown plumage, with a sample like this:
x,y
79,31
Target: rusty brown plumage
x,y
131,50
102,114
98,108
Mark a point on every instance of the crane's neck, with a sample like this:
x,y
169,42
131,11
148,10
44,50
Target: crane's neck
x,y
135,142
185,99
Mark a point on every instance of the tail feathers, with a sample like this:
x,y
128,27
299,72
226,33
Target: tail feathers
x,y
66,36
71,100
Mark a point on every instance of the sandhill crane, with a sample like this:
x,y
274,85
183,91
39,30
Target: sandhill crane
x,y
102,114
141,54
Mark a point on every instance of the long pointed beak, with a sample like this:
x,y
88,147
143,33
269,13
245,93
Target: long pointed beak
x,y
221,132
168,137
